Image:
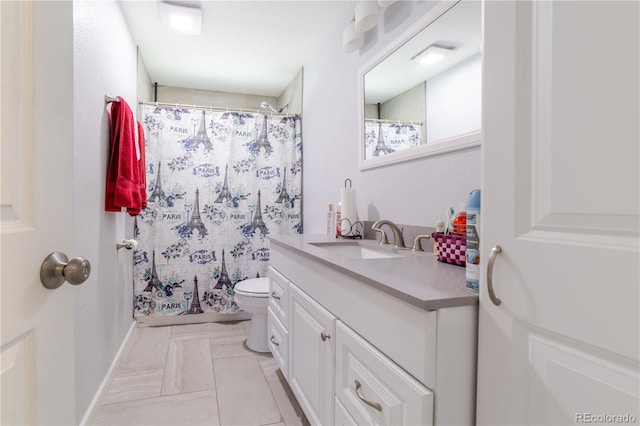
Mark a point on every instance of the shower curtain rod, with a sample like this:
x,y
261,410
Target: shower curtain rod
x,y
384,120
211,108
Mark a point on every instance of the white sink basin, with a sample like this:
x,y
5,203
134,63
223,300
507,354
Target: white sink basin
x,y
359,250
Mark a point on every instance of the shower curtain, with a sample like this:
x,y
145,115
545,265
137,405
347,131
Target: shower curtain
x,y
218,184
387,137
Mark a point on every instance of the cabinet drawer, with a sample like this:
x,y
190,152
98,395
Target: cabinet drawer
x,y
342,417
373,389
278,294
278,342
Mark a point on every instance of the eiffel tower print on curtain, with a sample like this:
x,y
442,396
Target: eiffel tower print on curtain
x,y
195,222
225,194
284,197
224,276
154,282
158,193
258,222
263,140
195,307
201,136
381,146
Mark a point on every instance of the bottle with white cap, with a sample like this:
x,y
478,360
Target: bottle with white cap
x,y
331,221
440,230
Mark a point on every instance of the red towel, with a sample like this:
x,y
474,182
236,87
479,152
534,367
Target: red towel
x,y
126,177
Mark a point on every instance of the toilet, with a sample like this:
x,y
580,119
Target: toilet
x,y
252,296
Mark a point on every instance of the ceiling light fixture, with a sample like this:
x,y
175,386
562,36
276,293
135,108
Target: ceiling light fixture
x,y
366,15
181,18
432,54
351,39
385,3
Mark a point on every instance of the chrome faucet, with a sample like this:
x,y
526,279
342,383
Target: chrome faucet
x,y
398,239
416,243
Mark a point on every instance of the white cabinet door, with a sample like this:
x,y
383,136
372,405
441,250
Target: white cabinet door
x,y
311,361
561,197
37,346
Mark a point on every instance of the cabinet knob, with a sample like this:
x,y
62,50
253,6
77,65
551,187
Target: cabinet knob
x,y
375,405
273,341
324,336
275,295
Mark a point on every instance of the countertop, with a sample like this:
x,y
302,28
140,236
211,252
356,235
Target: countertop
x,y
415,277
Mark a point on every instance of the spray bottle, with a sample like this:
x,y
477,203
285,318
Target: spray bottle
x,y
473,241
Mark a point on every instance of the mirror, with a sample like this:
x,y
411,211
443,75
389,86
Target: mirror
x,y
423,97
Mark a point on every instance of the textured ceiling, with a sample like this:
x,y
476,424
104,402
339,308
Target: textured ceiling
x,y
252,47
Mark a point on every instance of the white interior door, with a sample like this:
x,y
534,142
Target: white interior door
x,y
37,347
561,197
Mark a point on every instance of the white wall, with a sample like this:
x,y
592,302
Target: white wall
x,y
104,63
198,97
454,101
407,106
291,97
145,88
413,192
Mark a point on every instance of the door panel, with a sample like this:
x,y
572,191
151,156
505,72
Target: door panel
x,y
607,384
584,95
37,347
18,382
561,188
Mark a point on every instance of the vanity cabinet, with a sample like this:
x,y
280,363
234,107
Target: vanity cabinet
x,y
358,355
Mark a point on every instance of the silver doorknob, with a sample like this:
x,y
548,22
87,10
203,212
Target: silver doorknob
x,y
57,268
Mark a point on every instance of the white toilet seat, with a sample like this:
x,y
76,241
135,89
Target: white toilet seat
x,y
254,287
248,294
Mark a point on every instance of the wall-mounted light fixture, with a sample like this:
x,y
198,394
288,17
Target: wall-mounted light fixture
x,y
181,18
366,15
351,39
432,54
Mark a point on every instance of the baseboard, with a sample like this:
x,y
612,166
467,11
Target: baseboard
x,y
191,319
108,376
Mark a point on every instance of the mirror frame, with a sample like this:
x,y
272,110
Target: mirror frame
x,y
457,143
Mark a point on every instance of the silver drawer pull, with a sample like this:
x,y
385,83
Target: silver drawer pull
x,y
273,341
375,405
492,295
274,295
324,336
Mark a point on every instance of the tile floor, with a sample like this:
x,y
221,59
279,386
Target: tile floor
x,y
197,374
